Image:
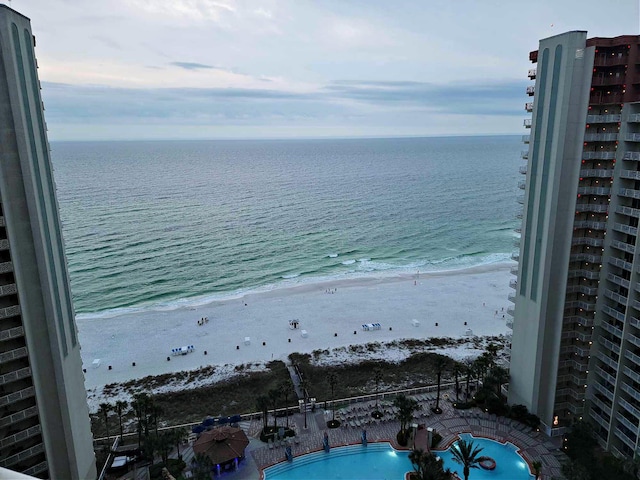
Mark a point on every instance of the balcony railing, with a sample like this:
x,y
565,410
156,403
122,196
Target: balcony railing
x,y
522,184
635,156
607,60
590,224
20,436
10,333
531,90
603,118
526,123
526,138
532,73
594,190
622,246
9,289
594,242
6,267
528,107
630,174
603,99
596,172
628,229
525,154
582,289
582,273
632,137
631,212
592,207
9,311
600,155
601,137
520,199
612,312
523,169
628,192
13,355
611,329
17,396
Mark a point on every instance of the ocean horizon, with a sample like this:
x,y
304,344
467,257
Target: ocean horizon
x,y
168,224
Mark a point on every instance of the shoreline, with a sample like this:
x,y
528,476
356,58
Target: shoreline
x,y
440,302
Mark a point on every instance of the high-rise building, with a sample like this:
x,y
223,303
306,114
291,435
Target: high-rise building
x,y
44,418
576,327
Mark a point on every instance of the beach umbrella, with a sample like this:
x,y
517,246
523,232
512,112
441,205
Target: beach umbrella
x,y
222,444
197,429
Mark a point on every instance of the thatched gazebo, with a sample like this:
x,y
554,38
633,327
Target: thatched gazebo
x,y
222,445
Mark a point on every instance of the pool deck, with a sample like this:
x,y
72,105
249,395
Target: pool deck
x,y
532,445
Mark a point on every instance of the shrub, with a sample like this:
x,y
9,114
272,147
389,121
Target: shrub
x,y
174,466
436,439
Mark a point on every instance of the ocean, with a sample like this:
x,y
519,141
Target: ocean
x,y
163,224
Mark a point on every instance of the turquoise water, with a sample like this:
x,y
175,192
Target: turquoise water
x,y
379,461
161,224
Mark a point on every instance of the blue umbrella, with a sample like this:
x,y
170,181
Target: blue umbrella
x,y
235,419
208,422
198,429
223,420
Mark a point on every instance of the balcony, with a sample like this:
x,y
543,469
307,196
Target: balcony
x,y
582,289
9,289
6,267
601,137
603,406
628,211
8,312
531,90
18,416
585,257
579,319
15,375
10,333
618,280
599,155
607,360
13,355
17,396
634,156
590,224
632,137
594,190
582,273
527,123
522,184
520,199
613,313
634,340
608,80
20,436
514,270
618,262
611,329
631,374
627,406
603,390
628,192
523,169
599,419
528,107
4,244
511,311
603,118
587,307
594,242
509,323
625,439
633,357
608,344
592,207
515,256
628,229
630,174
23,455
526,138
531,73
597,173
513,284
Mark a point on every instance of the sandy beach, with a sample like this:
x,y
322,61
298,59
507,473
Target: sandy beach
x,y
256,327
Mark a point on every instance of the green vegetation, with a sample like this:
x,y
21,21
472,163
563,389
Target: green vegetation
x,y
406,406
467,454
427,467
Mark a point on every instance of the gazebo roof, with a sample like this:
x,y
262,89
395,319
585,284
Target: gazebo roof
x,y
222,444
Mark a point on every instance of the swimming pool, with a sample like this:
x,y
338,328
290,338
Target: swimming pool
x,y
379,461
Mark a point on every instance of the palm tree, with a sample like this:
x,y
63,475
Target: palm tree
x,y
104,410
457,370
333,382
201,466
178,435
467,454
440,364
498,376
537,468
492,353
121,407
274,395
427,466
406,406
468,365
285,390
262,404
377,378
163,443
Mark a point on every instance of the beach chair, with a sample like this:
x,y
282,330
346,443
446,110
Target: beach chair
x,y
270,443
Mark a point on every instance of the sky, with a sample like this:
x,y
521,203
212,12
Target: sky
x,y
200,69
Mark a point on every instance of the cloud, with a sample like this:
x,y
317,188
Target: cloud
x,y
193,65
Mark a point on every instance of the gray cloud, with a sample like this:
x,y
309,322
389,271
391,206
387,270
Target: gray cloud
x,y
193,66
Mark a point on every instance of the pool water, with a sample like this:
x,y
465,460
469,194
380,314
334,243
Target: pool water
x,y
379,461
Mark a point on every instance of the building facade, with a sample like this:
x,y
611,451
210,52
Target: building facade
x,y
575,349
44,419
